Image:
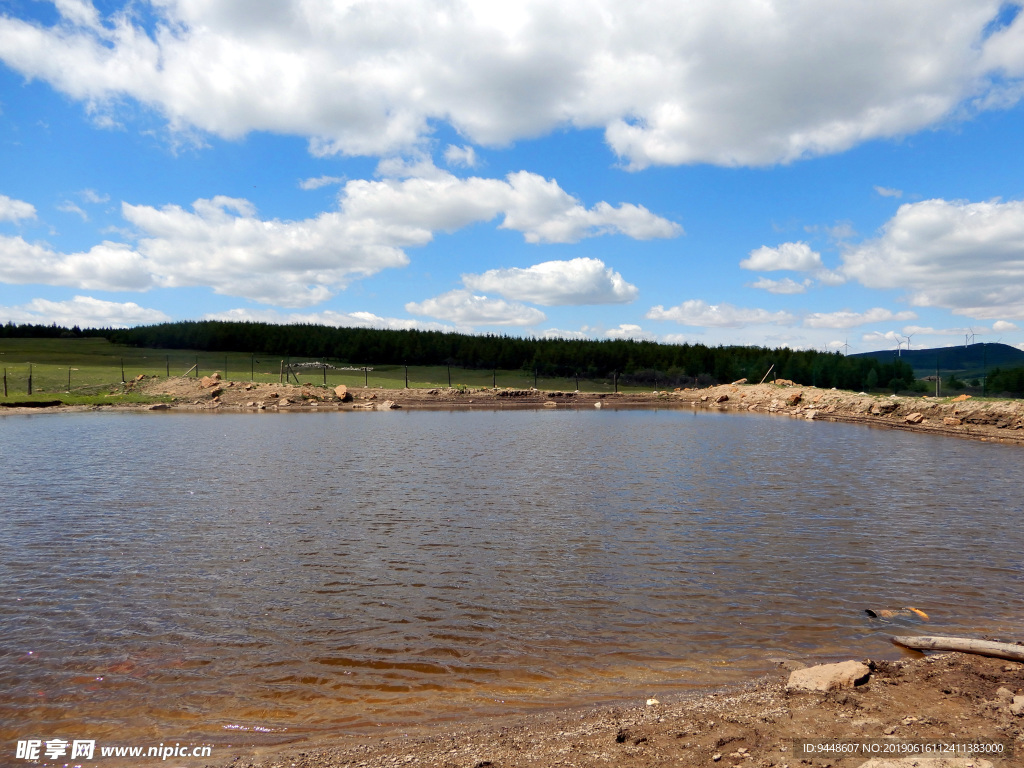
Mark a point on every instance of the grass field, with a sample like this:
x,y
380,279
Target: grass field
x,y
72,369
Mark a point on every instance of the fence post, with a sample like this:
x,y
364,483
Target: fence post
x,y
122,370
197,366
494,378
5,382
30,378
366,377
406,376
534,378
280,378
449,375
577,381
325,374
615,380
69,379
167,362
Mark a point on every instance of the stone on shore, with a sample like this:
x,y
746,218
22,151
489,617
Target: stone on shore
x,y
342,392
914,418
828,677
927,762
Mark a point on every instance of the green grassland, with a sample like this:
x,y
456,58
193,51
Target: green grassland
x,y
92,370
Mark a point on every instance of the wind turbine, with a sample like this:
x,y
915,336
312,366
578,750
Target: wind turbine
x,y
969,337
846,347
908,337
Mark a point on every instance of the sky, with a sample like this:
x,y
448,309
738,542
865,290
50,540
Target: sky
x,y
843,176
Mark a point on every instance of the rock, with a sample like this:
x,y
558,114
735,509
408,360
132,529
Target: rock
x,y
952,421
597,405
285,401
794,398
927,762
810,415
740,381
653,702
913,418
140,377
1004,694
159,407
210,381
1017,707
216,392
342,392
703,398
961,398
721,398
784,383
385,405
550,404
828,677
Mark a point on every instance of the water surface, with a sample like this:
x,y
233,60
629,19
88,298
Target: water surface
x,y
189,576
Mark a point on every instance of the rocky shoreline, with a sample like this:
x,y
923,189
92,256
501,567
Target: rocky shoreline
x,y
950,698
989,419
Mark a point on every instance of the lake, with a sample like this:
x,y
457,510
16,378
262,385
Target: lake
x,y
263,577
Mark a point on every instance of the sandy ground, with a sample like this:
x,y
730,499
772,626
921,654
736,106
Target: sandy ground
x,y
982,419
949,698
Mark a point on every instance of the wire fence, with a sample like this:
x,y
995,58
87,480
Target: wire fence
x,y
96,375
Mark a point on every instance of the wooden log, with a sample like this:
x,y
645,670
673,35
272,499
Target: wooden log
x,y
964,645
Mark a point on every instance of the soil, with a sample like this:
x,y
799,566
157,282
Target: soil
x,y
982,419
939,699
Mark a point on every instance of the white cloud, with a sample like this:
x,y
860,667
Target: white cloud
x,y
967,257
797,257
15,210
467,310
557,283
699,313
460,157
83,311
94,197
68,207
320,181
847,319
105,267
735,83
558,333
222,243
1001,326
784,286
889,192
631,332
326,317
531,204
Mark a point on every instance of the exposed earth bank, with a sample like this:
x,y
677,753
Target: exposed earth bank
x,y
985,419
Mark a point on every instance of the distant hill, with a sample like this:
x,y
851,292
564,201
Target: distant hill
x,y
965,361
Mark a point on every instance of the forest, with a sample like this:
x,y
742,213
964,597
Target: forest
x,y
631,361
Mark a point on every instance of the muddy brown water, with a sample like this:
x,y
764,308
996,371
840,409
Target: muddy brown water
x,y
264,578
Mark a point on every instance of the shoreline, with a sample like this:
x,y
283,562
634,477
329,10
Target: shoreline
x,y
989,420
942,698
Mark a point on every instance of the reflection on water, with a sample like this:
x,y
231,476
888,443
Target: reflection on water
x,y
180,576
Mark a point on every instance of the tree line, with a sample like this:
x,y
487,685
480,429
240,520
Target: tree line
x,y
632,361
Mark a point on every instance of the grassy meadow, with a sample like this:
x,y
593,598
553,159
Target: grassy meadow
x,y
91,370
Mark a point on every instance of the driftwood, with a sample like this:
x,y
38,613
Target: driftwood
x,y
964,645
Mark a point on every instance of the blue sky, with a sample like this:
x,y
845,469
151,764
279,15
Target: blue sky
x,y
846,176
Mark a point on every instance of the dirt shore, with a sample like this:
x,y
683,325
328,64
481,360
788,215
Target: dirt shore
x,y
987,419
981,419
949,698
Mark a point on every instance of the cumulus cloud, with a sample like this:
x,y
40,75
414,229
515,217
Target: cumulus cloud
x,y
631,332
784,286
94,197
556,283
467,310
797,257
15,210
327,317
737,83
699,313
224,244
1002,326
847,319
83,311
460,157
529,203
966,257
320,181
104,267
